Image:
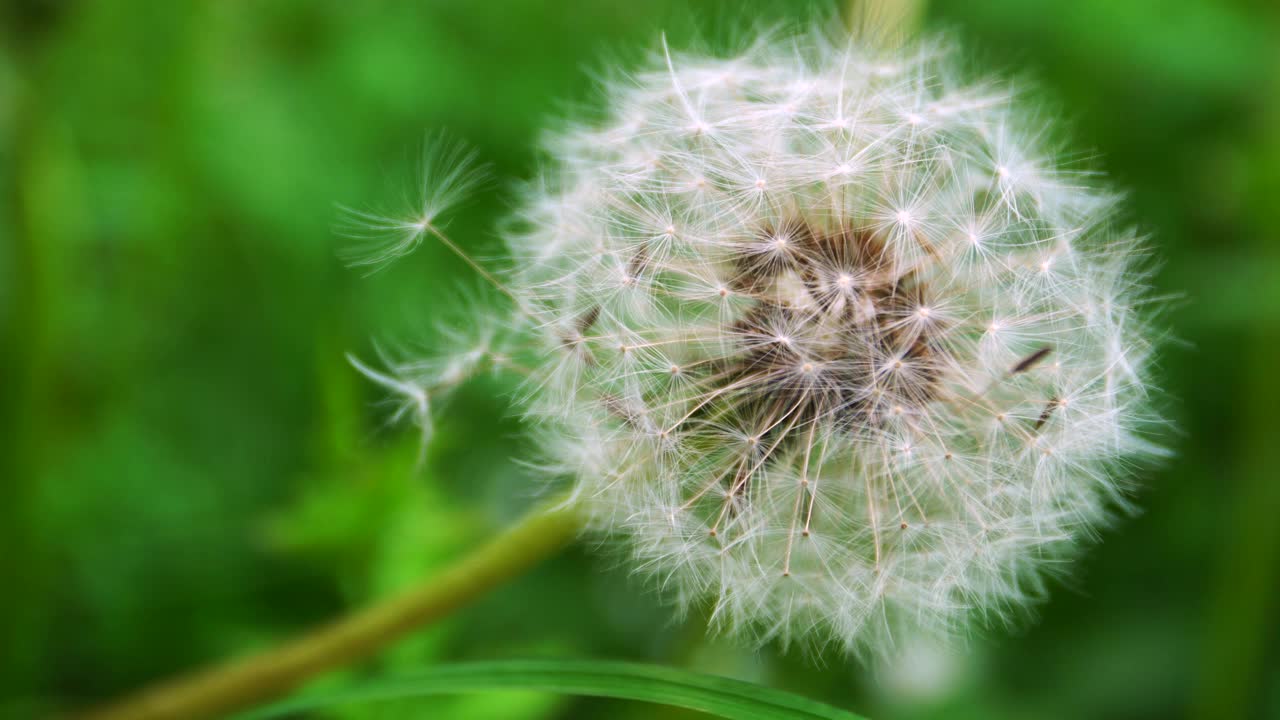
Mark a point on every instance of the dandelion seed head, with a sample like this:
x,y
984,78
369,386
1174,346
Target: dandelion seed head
x,y
830,338
856,444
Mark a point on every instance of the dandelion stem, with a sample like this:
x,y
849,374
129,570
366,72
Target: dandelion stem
x,y
890,20
272,673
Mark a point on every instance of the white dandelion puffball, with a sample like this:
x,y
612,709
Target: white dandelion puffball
x,y
831,338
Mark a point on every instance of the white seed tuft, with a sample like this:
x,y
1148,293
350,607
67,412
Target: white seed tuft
x,y
830,338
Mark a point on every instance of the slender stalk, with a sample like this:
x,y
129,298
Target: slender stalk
x,y
250,681
887,21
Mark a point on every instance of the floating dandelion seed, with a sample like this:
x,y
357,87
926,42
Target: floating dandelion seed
x,y
448,172
828,336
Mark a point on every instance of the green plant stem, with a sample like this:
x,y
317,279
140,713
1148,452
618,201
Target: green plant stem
x,y
272,673
888,21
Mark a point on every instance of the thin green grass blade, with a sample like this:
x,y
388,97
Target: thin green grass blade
x,y
719,696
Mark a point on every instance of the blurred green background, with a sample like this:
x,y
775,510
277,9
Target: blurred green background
x,y
189,469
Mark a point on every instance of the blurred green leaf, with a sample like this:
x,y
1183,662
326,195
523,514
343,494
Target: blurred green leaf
x,y
719,696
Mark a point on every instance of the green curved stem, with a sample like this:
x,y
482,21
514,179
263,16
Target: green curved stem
x,y
270,674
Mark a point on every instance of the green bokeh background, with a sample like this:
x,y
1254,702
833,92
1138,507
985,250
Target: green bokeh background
x,y
189,469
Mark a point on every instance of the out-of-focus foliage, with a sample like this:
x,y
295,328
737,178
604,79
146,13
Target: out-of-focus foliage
x,y
189,469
